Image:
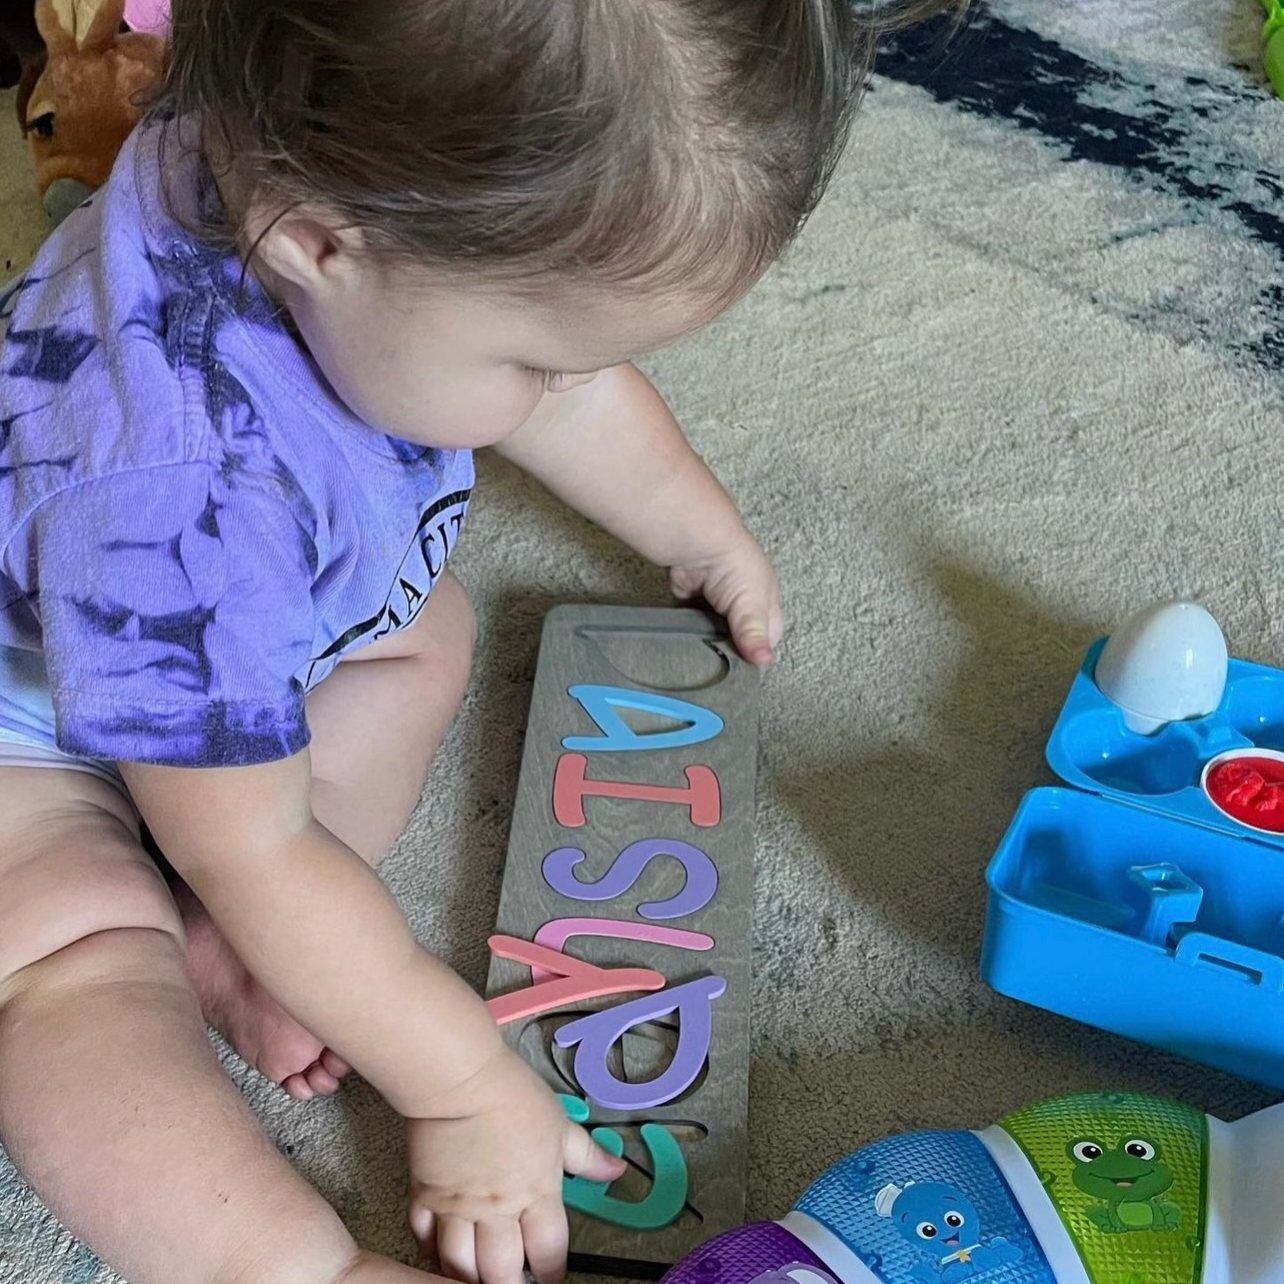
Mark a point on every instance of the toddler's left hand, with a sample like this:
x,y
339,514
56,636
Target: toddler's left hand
x,y
740,584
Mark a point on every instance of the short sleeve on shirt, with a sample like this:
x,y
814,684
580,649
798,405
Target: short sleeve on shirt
x,y
176,612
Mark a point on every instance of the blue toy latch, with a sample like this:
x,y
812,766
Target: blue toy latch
x,y
1256,966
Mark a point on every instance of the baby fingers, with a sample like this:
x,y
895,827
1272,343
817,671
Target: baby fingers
x,y
499,1252
544,1233
457,1248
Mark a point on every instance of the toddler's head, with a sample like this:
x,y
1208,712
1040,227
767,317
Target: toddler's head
x,y
467,203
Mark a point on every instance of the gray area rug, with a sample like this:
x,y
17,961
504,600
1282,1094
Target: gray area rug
x,y
1021,375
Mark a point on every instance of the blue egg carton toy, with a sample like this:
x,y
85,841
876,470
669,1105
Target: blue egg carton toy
x,y
1127,900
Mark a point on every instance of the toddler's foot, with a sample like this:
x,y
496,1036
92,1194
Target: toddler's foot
x,y
236,1005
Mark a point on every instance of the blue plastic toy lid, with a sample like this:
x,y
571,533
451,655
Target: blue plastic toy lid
x,y
1091,748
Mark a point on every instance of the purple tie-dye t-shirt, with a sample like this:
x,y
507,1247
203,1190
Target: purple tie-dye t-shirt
x,y
193,528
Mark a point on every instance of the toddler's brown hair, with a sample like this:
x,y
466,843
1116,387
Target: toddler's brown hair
x,y
626,140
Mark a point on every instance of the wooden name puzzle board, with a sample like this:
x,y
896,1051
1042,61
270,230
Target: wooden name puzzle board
x,y
621,961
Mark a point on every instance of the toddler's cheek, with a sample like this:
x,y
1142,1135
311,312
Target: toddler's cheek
x,y
498,413
464,414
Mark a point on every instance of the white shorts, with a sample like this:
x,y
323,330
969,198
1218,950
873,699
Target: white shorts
x,y
27,721
18,751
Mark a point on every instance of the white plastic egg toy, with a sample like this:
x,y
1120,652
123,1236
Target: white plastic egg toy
x,y
1164,664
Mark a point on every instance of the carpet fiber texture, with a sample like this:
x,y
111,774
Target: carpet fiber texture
x,y
1020,375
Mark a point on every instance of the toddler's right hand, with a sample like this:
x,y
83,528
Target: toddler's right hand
x,y
486,1176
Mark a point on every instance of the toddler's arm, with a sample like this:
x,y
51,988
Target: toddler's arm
x,y
321,933
315,925
611,449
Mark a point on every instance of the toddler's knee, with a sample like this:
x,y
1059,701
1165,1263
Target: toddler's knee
x,y
455,633
463,619
79,882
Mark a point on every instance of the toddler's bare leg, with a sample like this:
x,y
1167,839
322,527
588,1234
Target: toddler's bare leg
x,y
376,723
378,720
111,1100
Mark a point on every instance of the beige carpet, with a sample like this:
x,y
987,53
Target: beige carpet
x,y
1020,375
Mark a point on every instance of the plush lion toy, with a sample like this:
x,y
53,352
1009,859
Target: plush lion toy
x,y
92,89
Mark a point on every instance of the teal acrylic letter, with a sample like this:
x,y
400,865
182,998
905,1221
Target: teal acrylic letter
x,y
600,703
669,1181
576,1108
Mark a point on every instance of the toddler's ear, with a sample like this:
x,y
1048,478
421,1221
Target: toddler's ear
x,y
301,249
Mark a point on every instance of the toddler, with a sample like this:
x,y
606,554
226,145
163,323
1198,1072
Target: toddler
x,y
353,241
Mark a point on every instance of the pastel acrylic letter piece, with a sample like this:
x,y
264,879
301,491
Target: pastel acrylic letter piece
x,y
600,703
698,890
597,1032
576,1108
555,933
669,1178
576,980
571,786
663,1203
